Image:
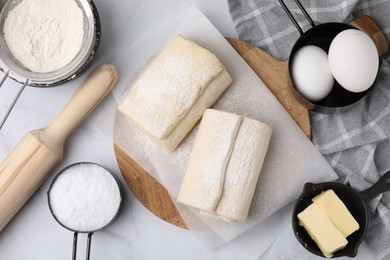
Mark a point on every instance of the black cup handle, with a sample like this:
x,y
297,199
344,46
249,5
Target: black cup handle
x,y
382,185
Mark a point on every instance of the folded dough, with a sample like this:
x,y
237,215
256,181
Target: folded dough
x,y
171,95
224,165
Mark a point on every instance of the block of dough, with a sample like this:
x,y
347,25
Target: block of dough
x,y
225,165
337,212
170,96
328,238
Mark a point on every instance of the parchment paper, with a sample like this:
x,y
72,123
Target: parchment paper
x,y
291,159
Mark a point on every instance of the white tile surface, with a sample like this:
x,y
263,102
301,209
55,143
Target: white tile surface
x,y
33,234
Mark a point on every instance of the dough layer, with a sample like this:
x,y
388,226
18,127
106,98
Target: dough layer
x,y
171,95
225,165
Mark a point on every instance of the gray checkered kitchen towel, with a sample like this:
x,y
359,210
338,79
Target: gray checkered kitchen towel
x,y
355,142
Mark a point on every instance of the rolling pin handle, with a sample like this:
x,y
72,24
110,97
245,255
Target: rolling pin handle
x,y
14,101
93,90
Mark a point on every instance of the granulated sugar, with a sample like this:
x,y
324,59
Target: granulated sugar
x,y
85,197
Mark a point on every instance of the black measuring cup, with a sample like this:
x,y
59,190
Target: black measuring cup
x,y
355,201
321,36
89,232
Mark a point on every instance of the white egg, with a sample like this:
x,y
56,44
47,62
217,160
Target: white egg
x,y
353,60
311,73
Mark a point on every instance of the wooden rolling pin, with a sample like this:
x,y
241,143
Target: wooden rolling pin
x,y
28,164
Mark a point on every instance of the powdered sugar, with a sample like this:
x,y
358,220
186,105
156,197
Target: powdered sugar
x,y
204,179
224,165
44,35
170,86
85,197
244,169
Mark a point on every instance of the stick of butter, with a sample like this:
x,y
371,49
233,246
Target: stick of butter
x,y
328,238
337,212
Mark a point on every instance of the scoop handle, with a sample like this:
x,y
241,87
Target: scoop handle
x,y
382,185
93,89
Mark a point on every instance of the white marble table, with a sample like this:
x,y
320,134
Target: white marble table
x,y
33,234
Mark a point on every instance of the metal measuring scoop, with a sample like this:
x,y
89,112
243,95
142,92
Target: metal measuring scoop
x,y
13,69
90,232
356,202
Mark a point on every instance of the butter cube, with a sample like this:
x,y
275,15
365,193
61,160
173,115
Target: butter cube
x,y
321,229
337,212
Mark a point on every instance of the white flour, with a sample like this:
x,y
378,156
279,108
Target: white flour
x,y
44,35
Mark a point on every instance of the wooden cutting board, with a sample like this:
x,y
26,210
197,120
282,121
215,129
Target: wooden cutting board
x,y
274,74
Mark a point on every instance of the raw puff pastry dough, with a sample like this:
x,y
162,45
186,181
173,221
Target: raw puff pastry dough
x,y
224,165
171,95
